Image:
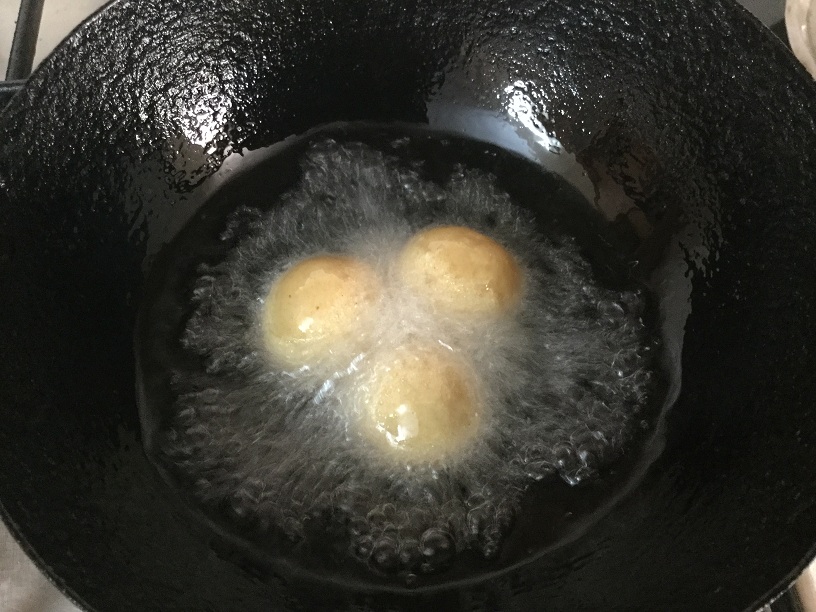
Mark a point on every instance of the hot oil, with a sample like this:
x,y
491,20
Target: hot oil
x,y
572,380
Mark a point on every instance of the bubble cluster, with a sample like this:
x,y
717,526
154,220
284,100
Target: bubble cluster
x,y
541,371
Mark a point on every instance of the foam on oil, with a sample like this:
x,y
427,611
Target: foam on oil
x,y
565,379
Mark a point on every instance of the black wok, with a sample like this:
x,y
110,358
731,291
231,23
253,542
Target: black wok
x,y
103,152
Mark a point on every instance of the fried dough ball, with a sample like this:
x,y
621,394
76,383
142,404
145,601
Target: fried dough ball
x,y
314,309
461,271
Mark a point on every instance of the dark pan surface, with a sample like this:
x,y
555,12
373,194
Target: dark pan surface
x,y
99,159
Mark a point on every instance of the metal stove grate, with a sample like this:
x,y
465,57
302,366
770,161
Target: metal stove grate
x,y
23,48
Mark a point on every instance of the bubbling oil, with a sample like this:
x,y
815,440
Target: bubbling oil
x,y
564,376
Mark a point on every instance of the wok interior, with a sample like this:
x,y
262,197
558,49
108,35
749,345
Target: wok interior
x,y
102,160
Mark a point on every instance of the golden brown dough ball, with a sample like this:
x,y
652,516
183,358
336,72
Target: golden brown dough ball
x,y
461,271
423,403
314,309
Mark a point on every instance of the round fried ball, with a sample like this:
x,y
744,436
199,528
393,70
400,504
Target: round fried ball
x,y
423,403
461,271
314,309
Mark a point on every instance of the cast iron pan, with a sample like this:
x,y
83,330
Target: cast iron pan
x,y
102,149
